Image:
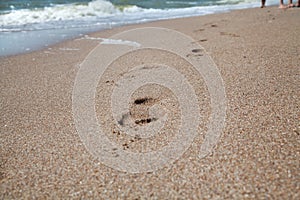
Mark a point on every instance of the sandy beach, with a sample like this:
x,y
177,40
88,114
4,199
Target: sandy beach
x,y
257,52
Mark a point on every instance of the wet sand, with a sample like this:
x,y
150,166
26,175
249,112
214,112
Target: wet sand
x,y
257,52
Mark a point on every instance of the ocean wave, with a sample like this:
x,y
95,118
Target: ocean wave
x,y
103,14
94,9
22,30
103,11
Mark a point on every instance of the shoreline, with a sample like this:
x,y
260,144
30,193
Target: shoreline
x,y
74,35
20,42
257,53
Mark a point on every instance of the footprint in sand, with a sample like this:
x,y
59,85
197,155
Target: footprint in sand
x,y
199,30
229,34
196,52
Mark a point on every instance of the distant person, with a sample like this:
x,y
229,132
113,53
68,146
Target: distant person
x,y
263,2
281,4
290,5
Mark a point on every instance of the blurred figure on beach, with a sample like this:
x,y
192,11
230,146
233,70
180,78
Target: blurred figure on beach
x,y
263,2
290,5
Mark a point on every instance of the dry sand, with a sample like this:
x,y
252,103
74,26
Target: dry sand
x,y
258,156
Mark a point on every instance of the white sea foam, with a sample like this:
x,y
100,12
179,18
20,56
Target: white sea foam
x,y
97,8
112,41
69,49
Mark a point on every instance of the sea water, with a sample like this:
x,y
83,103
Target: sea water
x,y
27,25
